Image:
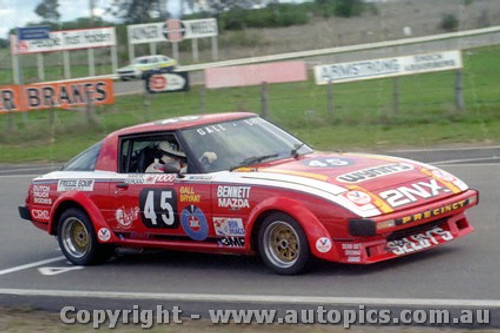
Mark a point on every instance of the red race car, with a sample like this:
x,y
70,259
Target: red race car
x,y
234,183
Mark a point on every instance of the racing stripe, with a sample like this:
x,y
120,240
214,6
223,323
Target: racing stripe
x,y
378,157
385,208
298,173
449,185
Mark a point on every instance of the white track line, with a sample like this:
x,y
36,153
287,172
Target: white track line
x,y
19,176
30,169
27,266
467,160
278,299
443,149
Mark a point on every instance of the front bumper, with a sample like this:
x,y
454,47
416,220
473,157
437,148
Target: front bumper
x,y
409,241
415,230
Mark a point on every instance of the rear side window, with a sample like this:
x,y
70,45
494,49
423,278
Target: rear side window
x,y
85,161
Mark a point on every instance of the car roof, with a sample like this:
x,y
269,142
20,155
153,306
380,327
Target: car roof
x,y
183,122
151,56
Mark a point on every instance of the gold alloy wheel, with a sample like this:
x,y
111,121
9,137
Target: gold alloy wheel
x,y
281,244
75,237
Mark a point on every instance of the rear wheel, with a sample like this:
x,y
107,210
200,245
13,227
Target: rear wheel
x,y
78,241
283,245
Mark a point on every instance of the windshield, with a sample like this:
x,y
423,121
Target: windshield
x,y
242,142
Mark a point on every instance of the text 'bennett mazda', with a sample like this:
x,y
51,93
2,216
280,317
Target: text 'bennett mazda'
x,y
234,183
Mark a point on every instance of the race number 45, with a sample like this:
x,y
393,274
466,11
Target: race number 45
x,y
159,208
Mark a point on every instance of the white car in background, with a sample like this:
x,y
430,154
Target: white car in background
x,y
140,65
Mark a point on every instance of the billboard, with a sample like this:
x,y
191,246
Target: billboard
x,y
162,81
59,94
387,67
250,75
65,40
162,31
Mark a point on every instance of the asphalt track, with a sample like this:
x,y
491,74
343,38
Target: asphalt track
x,y
460,275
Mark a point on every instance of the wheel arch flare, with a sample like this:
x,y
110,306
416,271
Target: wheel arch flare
x,y
319,239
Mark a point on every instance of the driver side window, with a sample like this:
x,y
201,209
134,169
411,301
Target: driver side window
x,y
139,153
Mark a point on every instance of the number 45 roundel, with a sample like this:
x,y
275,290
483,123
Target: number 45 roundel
x,y
159,208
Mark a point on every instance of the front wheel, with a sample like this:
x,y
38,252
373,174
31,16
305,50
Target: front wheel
x,y
283,245
78,241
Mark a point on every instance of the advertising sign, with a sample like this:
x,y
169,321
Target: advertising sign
x,y
388,67
251,75
171,30
65,40
60,94
158,81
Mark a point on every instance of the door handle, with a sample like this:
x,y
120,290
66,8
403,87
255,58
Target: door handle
x,y
122,185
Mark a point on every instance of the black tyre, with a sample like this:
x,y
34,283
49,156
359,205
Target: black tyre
x,y
283,245
78,241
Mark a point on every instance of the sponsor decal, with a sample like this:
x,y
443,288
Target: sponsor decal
x,y
207,130
327,162
323,244
441,174
352,252
140,179
201,177
408,194
41,194
233,197
125,217
188,194
158,208
170,178
40,214
358,197
104,234
226,226
194,223
42,201
83,185
231,242
419,241
177,120
372,173
433,212
447,177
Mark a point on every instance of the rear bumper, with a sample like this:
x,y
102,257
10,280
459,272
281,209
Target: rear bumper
x,y
24,213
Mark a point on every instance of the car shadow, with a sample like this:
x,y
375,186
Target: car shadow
x,y
187,260
254,265
329,268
